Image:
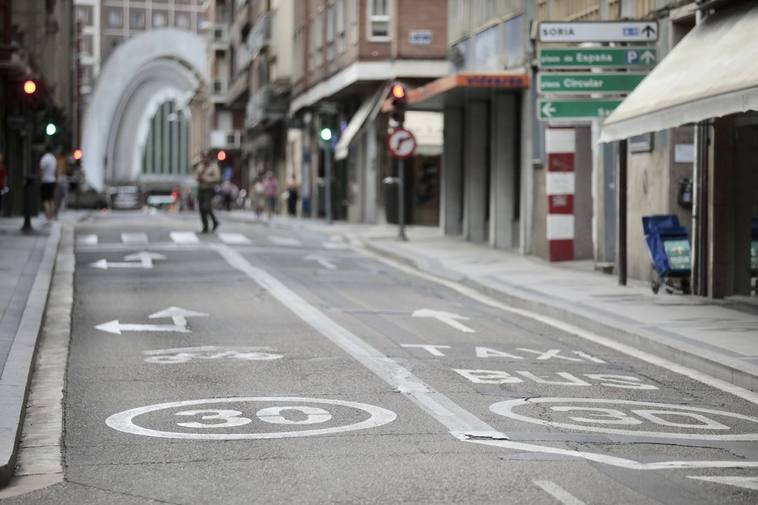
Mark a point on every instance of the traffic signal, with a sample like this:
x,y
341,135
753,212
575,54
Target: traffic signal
x,y
50,129
77,154
30,87
399,96
221,155
326,134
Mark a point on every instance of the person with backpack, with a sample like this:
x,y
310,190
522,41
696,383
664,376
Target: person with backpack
x,y
208,175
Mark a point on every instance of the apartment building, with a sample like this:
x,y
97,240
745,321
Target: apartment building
x,y
345,54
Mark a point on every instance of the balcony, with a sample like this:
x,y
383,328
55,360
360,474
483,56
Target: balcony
x,y
264,107
225,139
260,36
219,37
219,88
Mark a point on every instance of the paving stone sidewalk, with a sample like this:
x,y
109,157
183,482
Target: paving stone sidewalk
x,y
717,337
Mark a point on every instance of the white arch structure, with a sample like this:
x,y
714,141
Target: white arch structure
x,y
142,73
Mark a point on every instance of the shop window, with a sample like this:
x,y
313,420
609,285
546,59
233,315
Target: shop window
x,y
379,20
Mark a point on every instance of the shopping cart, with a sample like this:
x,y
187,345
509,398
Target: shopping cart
x,y
669,247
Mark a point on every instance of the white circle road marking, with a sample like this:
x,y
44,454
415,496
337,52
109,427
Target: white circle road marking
x,y
506,408
124,421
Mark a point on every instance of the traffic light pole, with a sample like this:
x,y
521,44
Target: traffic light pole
x,y
328,185
28,168
401,198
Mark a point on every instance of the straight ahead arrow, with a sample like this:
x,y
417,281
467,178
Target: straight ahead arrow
x,y
449,318
647,57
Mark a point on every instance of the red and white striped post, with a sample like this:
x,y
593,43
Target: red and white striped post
x,y
560,148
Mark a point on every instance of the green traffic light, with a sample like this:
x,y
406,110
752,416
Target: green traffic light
x,y
50,129
326,134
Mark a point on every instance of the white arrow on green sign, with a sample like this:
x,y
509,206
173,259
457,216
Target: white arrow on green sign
x,y
603,57
581,83
574,110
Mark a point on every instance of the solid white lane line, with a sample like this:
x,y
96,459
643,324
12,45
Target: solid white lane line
x,y
234,238
472,293
743,482
457,420
86,240
558,492
184,237
134,238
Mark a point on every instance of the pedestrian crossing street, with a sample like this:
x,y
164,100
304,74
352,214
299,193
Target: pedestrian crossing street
x,y
190,238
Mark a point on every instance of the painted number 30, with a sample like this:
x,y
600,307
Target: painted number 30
x,y
223,418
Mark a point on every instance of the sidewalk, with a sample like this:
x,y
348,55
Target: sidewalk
x,y
717,337
26,268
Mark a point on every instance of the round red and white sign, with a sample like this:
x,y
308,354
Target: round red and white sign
x,y
401,143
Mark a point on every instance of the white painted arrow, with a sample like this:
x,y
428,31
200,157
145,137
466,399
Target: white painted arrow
x,y
738,481
142,259
321,261
448,318
548,109
177,315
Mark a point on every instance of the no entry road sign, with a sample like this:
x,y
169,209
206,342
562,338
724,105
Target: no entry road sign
x,y
401,143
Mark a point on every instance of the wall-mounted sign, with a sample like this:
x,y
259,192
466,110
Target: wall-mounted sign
x,y
608,31
420,37
641,143
574,110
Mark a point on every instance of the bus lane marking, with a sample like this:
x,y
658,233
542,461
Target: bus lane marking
x,y
558,492
738,481
206,418
462,424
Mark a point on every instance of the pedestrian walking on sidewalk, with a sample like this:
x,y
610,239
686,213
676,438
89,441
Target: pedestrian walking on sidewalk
x,y
208,175
259,197
48,166
293,193
3,182
271,188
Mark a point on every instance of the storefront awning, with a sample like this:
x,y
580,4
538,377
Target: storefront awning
x,y
712,72
367,111
427,128
449,90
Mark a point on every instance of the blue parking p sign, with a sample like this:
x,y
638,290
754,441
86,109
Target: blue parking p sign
x,y
632,57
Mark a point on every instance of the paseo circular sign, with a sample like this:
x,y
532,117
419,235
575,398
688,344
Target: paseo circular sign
x,y
401,143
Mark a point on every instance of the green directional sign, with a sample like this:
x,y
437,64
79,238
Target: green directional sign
x,y
564,109
582,83
602,57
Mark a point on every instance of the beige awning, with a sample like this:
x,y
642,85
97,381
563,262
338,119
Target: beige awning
x,y
711,73
366,112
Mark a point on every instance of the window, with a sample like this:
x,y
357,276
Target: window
x,y
379,20
160,19
355,15
84,14
330,33
115,17
182,20
340,14
87,46
137,19
317,40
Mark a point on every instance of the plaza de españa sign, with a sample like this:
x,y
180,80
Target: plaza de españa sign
x,y
597,57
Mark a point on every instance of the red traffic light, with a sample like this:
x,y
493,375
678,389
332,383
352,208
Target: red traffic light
x,y
77,154
221,156
30,87
398,91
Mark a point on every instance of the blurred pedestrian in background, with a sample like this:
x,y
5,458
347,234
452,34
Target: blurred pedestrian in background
x,y
48,166
3,182
271,188
208,175
293,193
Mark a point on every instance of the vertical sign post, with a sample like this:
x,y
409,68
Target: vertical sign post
x,y
560,148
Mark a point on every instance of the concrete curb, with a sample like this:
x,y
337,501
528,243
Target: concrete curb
x,y
14,383
722,367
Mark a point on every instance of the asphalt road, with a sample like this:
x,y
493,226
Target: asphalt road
x,y
276,365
